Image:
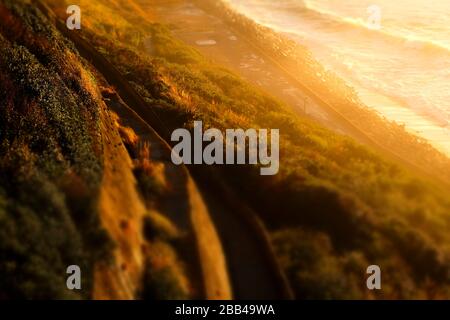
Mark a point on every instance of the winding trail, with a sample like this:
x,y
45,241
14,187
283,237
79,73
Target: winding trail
x,y
250,262
185,208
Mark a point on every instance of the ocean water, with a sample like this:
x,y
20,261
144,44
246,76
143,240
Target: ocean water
x,y
396,54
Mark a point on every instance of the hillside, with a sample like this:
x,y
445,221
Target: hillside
x,y
51,161
340,100
335,207
79,186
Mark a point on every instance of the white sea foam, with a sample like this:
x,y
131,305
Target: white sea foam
x,y
406,62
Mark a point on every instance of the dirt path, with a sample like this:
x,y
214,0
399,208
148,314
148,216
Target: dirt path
x,y
254,271
250,266
255,274
119,204
251,273
184,206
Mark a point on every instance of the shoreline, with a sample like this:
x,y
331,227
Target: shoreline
x,y
413,121
428,121
335,96
434,128
310,92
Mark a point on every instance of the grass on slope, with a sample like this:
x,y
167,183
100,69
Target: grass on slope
x,y
50,160
334,208
334,91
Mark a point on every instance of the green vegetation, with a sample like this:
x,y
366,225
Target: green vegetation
x,y
333,91
148,175
167,248
334,203
317,272
334,208
50,160
164,277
